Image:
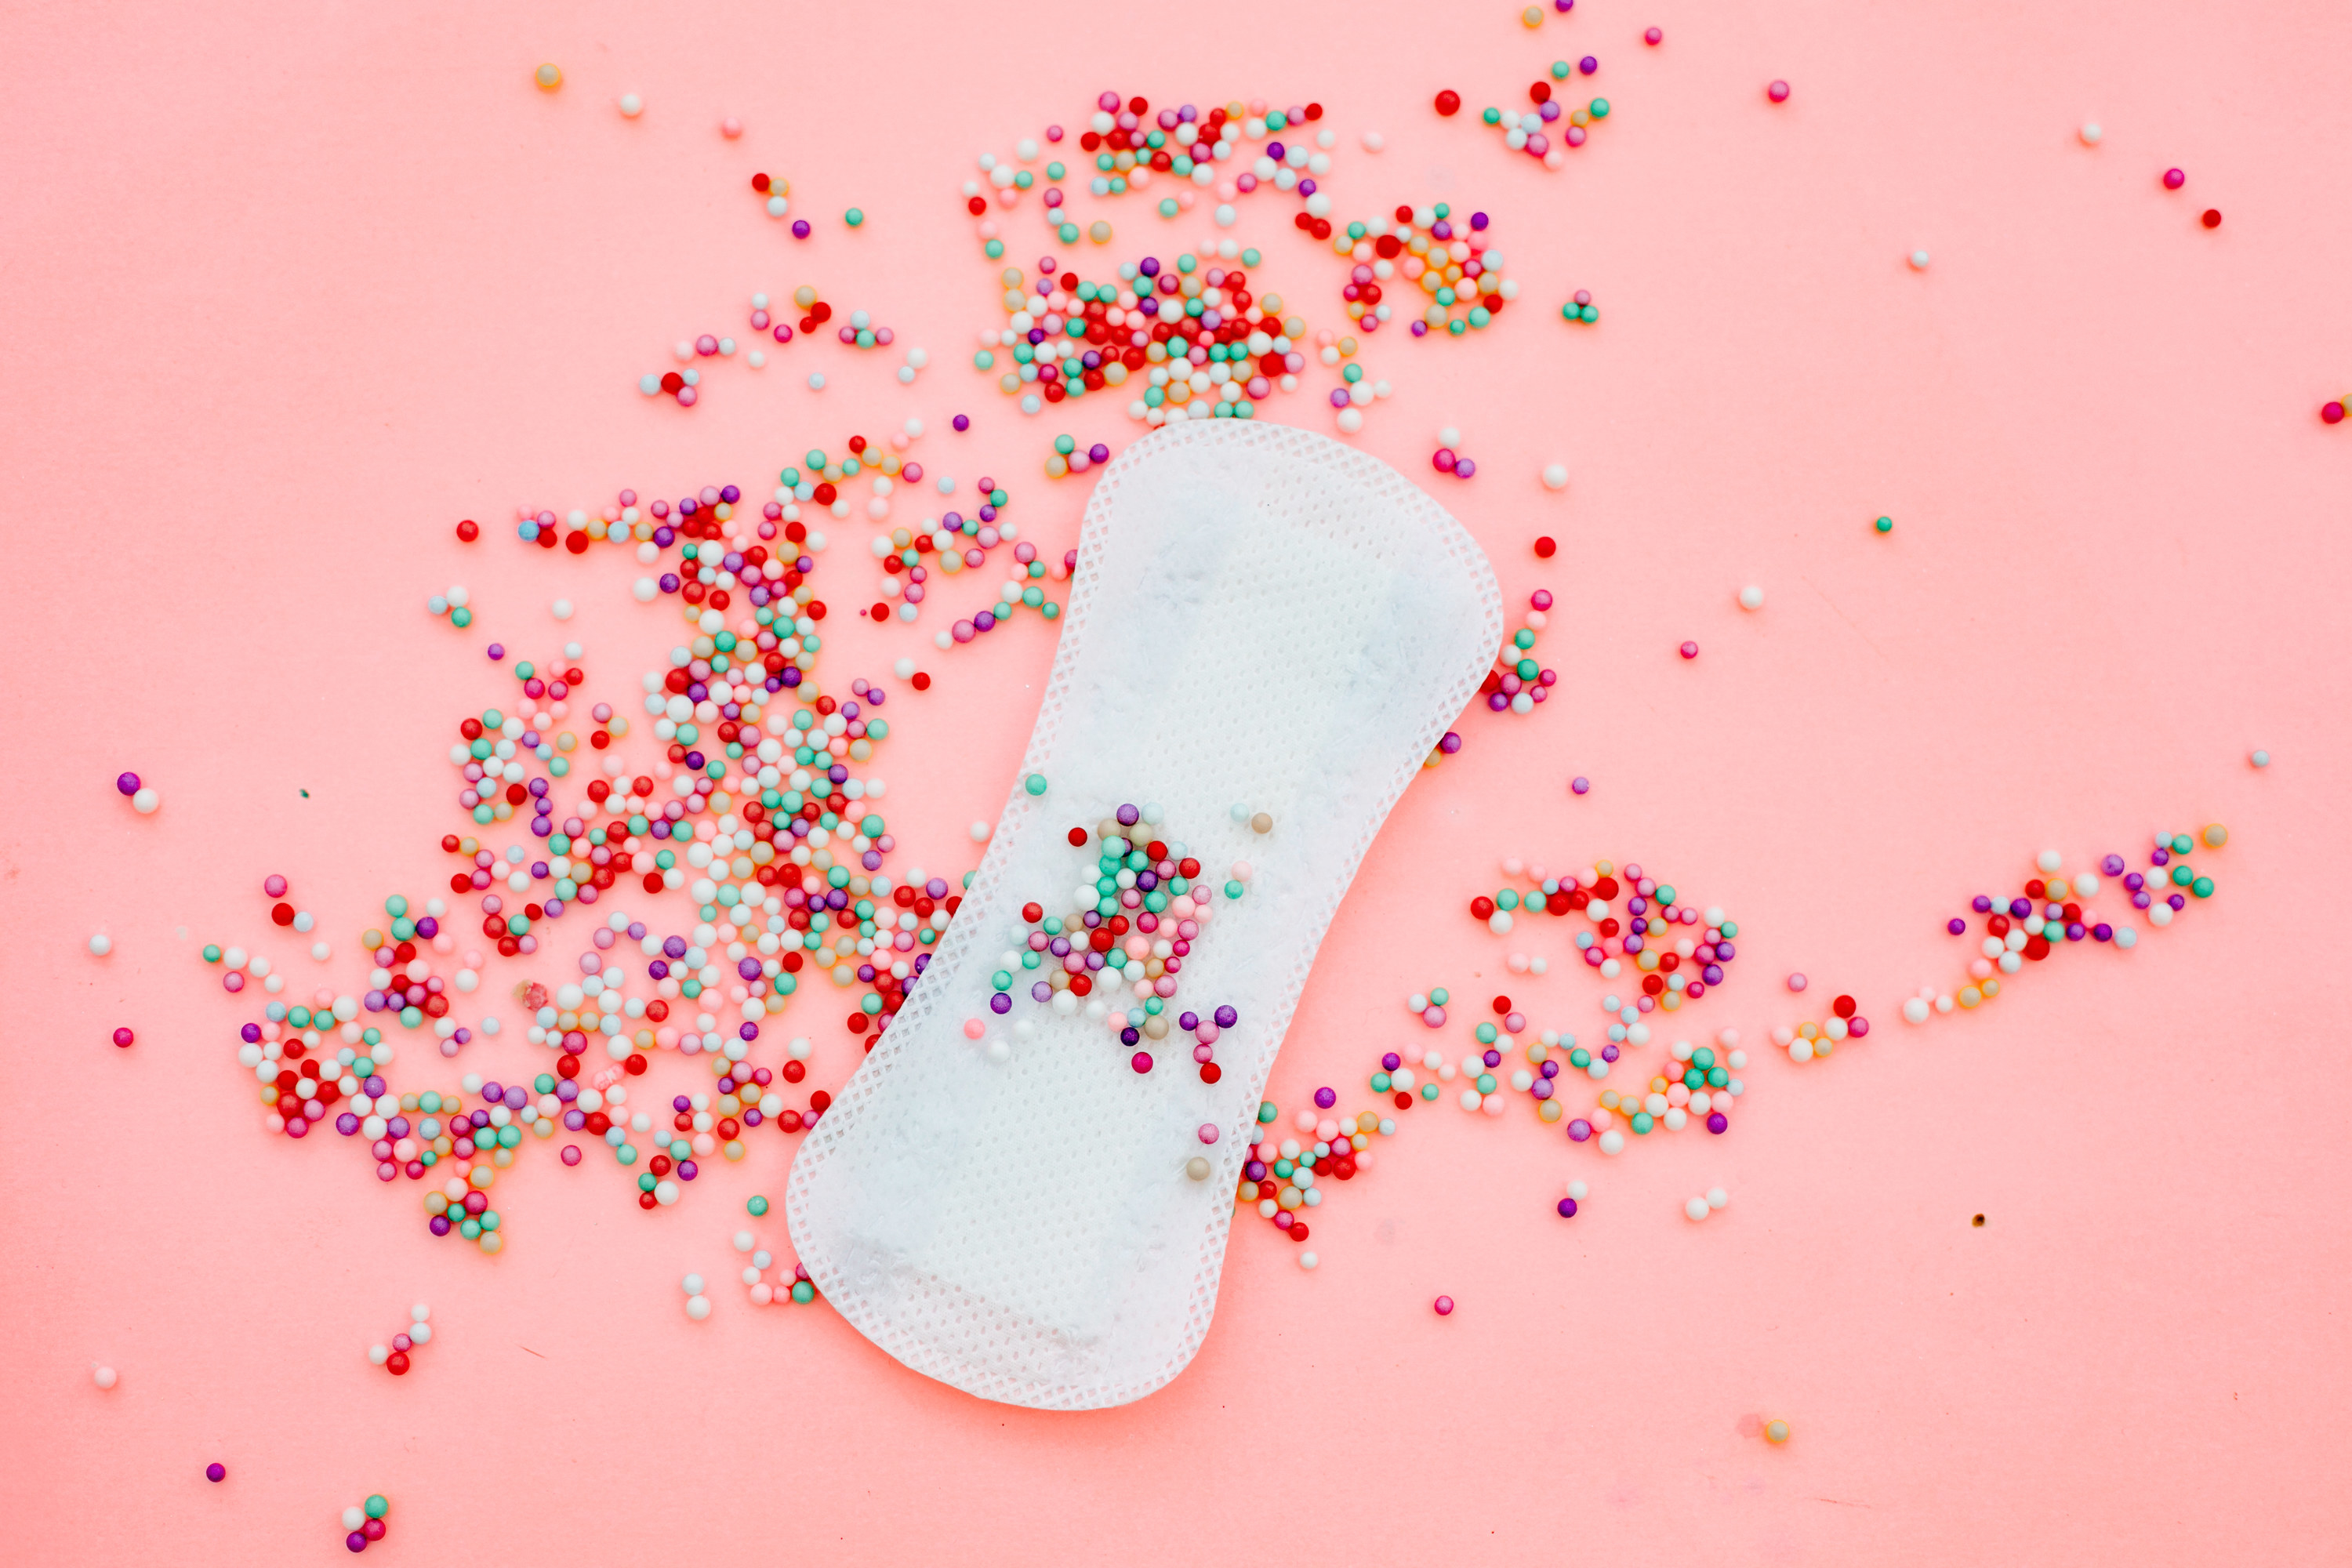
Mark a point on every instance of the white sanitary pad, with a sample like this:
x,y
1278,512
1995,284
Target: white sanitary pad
x,y
1260,616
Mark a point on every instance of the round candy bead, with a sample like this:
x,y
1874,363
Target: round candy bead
x,y
2212,218
1690,651
215,1471
2174,179
123,1036
1444,1305
1777,91
549,78
1449,103
1775,1431
1751,597
127,784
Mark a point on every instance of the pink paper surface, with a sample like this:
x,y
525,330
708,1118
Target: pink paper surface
x,y
288,290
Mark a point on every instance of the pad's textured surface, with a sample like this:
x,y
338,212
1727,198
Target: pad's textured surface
x,y
1260,615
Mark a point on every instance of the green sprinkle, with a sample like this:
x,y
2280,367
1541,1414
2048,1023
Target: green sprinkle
x,y
855,218
1884,525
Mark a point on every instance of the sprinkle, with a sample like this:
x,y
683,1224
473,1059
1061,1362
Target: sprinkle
x,y
1444,1305
101,944
2212,218
1797,982
126,783
2090,134
632,105
1580,785
2174,179
855,218
1554,478
1918,261
1751,597
731,128
1777,91
1449,103
549,78
1884,525
215,1471
2261,758
1689,650
1775,1431
104,1377
123,1038
1307,1260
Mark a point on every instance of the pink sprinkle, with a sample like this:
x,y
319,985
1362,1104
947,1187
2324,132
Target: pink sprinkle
x,y
1778,92
1797,982
1444,1306
1690,651
1208,1132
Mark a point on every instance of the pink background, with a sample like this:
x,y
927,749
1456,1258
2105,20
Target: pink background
x,y
289,289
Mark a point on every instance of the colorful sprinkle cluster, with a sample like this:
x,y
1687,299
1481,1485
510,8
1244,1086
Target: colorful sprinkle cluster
x,y
1281,1178
1207,347
1676,966
1453,264
365,1522
752,802
1531,132
1184,144
800,1292
2053,912
1518,681
859,331
393,1358
1131,924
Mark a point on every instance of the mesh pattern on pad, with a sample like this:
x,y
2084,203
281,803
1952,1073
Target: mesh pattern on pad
x,y
1259,615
